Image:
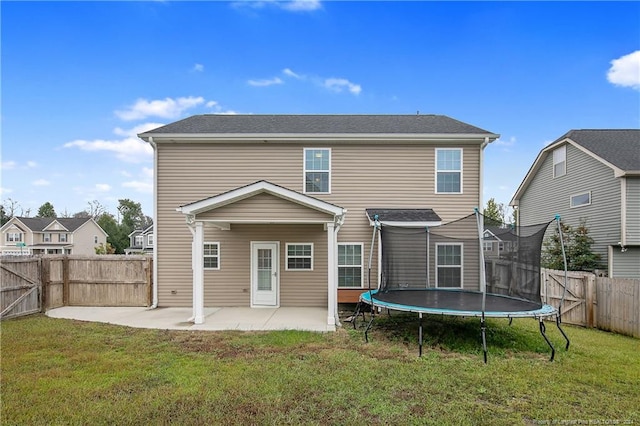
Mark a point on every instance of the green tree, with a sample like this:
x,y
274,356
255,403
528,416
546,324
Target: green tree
x,y
105,249
118,240
4,218
578,252
46,210
131,216
492,213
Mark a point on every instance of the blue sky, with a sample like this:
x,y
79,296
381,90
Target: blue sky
x,y
80,79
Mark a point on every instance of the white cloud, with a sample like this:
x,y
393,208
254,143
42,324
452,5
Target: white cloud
x,y
290,6
32,164
211,104
8,165
198,68
265,82
505,144
339,84
165,108
290,73
625,71
41,182
4,191
300,5
103,187
144,183
129,149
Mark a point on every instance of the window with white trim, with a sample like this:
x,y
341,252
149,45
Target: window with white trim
x,y
488,245
448,170
95,239
14,237
449,265
211,255
560,161
317,170
349,265
63,238
580,200
46,237
150,240
299,257
138,240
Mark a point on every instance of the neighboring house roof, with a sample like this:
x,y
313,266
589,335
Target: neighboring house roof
x,y
40,224
616,148
274,125
500,233
404,217
141,231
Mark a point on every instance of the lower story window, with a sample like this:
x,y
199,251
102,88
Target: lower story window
x,y
350,265
300,257
211,255
449,265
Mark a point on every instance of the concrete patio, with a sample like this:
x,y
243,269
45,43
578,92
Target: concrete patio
x,y
216,319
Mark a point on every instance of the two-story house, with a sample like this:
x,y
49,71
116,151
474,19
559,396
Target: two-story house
x,y
271,210
141,241
590,175
44,235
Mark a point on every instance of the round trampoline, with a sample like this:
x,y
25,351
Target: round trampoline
x,y
471,267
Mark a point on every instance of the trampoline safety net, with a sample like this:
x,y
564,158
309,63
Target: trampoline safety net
x,y
449,256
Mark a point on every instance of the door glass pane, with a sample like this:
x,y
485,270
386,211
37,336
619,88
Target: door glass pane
x,y
264,269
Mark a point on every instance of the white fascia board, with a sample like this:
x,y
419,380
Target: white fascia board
x,y
407,224
304,137
257,188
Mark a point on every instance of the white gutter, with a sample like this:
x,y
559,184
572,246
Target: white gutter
x,y
339,224
154,301
303,137
486,142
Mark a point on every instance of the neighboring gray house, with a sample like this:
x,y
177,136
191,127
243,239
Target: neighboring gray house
x,y
44,235
271,210
141,241
592,175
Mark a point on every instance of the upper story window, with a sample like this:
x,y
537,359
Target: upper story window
x,y
580,200
63,238
95,239
46,238
317,170
150,240
300,257
560,161
449,171
138,240
14,237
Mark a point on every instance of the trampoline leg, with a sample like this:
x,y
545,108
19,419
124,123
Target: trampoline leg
x,y
366,330
543,328
510,321
483,329
558,321
420,336
355,315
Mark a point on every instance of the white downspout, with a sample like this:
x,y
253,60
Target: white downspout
x,y
339,224
154,298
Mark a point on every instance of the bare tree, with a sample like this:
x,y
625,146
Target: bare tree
x,y
96,209
11,207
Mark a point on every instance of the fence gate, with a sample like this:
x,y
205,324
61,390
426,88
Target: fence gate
x,y
578,306
20,288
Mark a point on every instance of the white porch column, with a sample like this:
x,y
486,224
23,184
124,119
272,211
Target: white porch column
x,y
332,276
198,273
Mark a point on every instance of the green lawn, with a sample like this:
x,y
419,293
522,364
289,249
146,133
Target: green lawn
x,y
67,372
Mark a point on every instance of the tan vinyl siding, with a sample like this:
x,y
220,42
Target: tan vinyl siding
x,y
266,206
83,238
362,176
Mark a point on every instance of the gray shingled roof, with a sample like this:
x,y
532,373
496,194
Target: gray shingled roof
x,y
323,124
38,224
403,215
620,147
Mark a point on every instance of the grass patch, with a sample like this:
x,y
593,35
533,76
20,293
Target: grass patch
x,y
56,371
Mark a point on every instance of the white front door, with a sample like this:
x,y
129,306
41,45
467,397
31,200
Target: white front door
x,y
264,274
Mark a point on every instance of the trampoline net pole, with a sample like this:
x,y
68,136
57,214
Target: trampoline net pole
x,y
564,259
483,278
376,224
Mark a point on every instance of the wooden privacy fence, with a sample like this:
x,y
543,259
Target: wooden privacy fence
x,y
34,284
611,304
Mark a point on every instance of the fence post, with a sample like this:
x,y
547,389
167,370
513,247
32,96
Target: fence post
x,y
149,262
65,280
45,282
590,300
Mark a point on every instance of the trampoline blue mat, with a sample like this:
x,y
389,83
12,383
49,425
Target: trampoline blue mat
x,y
456,302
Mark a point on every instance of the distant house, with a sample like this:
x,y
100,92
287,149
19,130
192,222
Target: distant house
x,y
591,175
141,241
43,235
274,210
497,240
